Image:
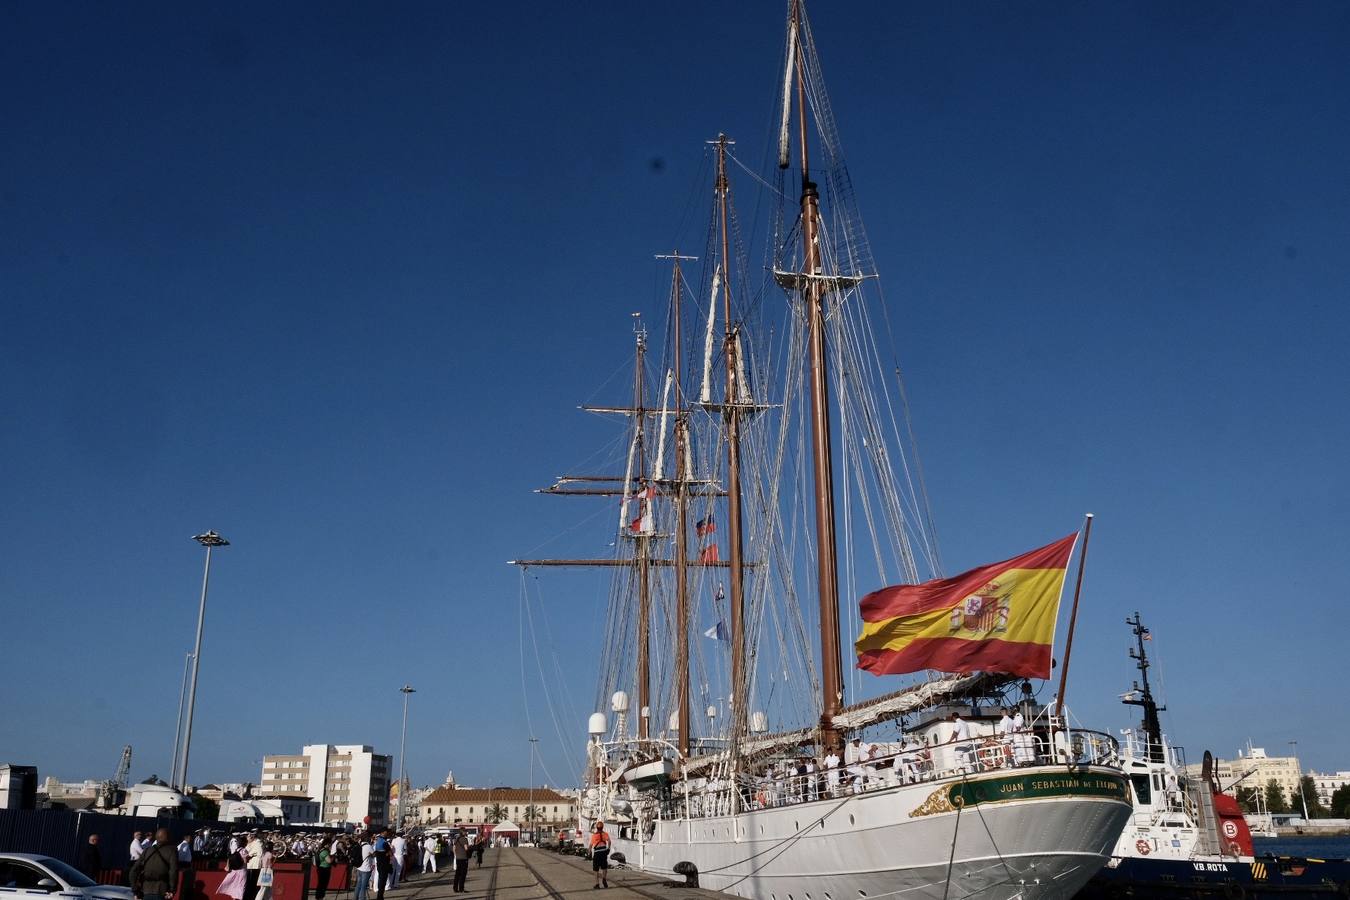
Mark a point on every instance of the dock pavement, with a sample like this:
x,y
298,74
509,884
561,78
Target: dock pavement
x,y
510,873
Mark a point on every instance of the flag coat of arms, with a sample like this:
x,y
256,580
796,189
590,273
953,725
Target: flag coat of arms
x,y
996,618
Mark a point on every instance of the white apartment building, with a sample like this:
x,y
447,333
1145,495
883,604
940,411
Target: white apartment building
x,y
349,781
1258,769
1327,784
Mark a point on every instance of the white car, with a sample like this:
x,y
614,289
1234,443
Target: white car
x,y
24,875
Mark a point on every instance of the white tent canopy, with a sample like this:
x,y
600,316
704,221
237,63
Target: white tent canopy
x,y
505,825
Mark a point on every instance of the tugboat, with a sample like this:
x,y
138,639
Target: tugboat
x,y
1186,838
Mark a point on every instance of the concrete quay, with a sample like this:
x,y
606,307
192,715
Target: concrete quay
x,y
510,873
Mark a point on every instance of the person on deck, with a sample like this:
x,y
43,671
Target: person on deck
x,y
832,772
856,754
960,738
1005,735
1024,747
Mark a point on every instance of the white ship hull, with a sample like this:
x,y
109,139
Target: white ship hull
x,y
899,842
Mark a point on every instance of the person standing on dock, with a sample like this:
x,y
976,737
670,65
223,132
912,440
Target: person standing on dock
x,y
323,868
235,881
265,873
429,854
461,849
254,852
365,868
399,848
479,845
600,854
91,858
154,876
384,867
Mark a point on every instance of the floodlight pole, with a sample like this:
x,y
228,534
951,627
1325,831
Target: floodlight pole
x,y
402,750
209,540
530,812
1302,796
178,723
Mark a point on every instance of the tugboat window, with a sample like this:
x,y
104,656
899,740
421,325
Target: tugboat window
x,y
1141,788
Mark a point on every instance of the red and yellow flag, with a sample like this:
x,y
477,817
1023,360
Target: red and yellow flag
x,y
997,618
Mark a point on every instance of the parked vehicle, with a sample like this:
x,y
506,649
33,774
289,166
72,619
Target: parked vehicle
x,y
34,875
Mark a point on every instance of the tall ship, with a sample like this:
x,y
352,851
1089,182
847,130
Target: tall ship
x,y
766,468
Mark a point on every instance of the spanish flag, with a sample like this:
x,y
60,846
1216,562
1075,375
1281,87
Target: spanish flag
x,y
997,618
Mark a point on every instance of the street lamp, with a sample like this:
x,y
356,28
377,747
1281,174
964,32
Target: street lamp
x,y
1301,795
402,749
530,812
210,540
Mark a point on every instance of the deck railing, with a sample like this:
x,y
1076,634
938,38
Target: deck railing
x,y
893,767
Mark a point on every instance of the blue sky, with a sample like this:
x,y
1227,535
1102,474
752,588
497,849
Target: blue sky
x,y
331,280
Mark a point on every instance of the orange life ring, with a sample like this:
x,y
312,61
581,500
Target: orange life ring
x,y
1143,846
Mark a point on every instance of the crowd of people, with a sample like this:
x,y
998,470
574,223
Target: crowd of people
x,y
384,859
381,860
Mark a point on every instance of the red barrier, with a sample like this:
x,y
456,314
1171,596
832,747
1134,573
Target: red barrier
x,y
289,882
203,885
339,877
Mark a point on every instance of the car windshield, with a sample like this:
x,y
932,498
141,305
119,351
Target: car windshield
x,y
69,874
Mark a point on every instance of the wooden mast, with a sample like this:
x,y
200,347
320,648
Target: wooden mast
x,y
814,293
681,535
731,416
643,557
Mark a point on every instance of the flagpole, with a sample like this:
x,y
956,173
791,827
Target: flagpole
x,y
1073,618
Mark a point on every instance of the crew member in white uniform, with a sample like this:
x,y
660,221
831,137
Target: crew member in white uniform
x,y
961,741
1005,736
855,754
832,772
1023,746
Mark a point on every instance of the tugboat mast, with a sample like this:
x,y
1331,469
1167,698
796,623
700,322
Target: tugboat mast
x,y
1142,696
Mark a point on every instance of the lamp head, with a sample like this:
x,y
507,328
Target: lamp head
x,y
210,539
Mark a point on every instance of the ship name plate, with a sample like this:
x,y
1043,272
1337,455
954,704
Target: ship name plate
x,y
1021,787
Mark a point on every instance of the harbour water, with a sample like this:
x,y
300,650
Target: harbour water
x,y
1317,847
